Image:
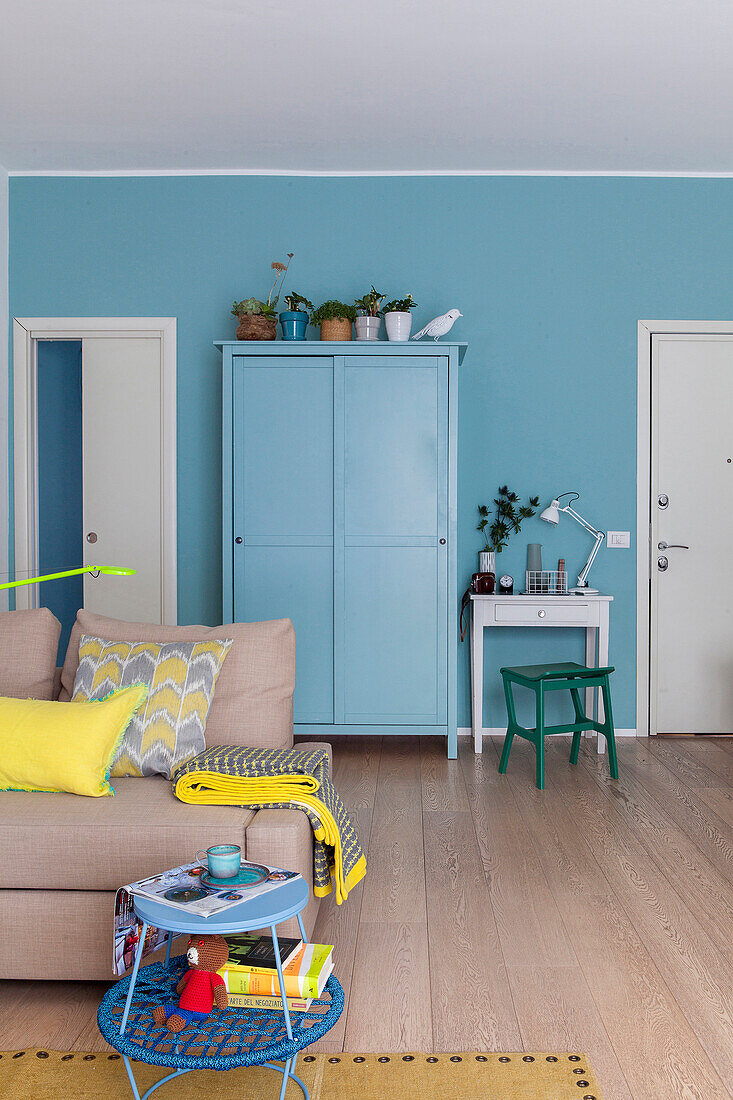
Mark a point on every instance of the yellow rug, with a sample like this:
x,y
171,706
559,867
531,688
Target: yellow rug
x,y
31,1074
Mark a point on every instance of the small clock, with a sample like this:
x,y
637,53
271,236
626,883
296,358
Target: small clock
x,y
506,585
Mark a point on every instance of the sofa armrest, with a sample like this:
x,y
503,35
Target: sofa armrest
x,y
309,746
284,838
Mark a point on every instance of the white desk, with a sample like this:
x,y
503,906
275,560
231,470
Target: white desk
x,y
588,612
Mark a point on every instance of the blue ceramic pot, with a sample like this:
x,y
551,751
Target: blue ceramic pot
x,y
294,322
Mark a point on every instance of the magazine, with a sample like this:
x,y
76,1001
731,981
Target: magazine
x,y
127,932
181,889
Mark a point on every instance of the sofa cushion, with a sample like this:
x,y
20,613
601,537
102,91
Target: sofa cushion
x,y
56,934
63,842
180,677
28,644
253,701
46,746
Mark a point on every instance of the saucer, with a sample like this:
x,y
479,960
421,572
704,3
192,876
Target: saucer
x,y
249,874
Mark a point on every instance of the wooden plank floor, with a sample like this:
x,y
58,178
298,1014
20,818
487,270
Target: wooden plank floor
x,y
594,915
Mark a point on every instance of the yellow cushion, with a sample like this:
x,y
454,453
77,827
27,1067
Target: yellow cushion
x,y
49,746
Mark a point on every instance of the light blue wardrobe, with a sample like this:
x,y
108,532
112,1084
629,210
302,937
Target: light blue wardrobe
x,y
339,511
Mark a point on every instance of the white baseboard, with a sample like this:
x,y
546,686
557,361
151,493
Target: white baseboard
x,y
499,731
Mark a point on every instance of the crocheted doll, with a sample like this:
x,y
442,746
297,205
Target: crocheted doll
x,y
200,987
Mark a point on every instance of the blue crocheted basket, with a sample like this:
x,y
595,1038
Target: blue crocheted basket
x,y
225,1040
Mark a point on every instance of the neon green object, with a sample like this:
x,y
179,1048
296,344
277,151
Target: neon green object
x,y
108,570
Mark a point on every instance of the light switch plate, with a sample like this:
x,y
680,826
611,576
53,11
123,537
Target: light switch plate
x,y
618,540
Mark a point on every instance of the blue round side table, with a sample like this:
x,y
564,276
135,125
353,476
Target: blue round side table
x,y
225,1040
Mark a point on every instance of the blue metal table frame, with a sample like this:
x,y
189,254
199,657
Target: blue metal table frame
x,y
269,1036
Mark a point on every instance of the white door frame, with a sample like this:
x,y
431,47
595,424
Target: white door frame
x,y
644,556
27,331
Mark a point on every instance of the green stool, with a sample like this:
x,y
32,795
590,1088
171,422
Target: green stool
x,y
561,677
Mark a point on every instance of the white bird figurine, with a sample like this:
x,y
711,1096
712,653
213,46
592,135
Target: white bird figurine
x,y
439,325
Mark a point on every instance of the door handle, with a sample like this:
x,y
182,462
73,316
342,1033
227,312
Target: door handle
x,y
671,546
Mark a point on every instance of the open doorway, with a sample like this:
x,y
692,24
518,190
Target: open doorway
x,y
60,497
95,464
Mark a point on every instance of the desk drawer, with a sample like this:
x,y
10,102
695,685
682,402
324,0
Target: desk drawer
x,y
543,613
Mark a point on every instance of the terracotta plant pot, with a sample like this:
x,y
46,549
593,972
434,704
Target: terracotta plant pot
x,y
253,326
337,328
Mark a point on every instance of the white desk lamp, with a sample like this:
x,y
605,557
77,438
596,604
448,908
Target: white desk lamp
x,y
551,515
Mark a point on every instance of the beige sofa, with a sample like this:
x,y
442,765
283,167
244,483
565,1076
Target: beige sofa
x,y
64,856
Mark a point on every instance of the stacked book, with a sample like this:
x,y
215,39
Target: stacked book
x,y
250,972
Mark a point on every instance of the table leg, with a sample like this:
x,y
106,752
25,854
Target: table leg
x,y
133,978
477,676
286,1078
603,632
281,979
591,662
130,1074
302,929
168,945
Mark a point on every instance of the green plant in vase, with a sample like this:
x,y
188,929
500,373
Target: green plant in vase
x,y
296,303
335,319
500,523
294,320
369,315
257,318
398,318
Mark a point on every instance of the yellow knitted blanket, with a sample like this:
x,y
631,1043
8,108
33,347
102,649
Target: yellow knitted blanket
x,y
229,775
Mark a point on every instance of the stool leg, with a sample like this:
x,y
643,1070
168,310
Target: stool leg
x,y
540,733
511,724
608,728
579,717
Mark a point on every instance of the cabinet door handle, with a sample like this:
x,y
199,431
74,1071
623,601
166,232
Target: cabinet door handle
x,y
541,614
442,542
238,540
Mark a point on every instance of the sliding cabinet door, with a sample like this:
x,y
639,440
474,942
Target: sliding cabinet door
x,y
283,512
391,560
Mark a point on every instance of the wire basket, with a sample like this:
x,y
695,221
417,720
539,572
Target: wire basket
x,y
546,582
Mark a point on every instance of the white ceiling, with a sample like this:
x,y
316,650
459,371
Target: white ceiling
x,y
390,85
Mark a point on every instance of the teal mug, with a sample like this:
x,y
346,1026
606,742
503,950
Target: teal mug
x,y
223,860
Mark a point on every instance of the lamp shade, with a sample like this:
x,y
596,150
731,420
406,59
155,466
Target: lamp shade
x,y
551,514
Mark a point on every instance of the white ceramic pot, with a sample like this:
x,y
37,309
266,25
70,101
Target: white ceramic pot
x,y
367,328
487,561
398,325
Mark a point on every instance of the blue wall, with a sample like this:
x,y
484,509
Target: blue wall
x,y
552,275
60,505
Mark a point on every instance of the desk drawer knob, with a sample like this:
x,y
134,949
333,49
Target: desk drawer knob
x,y
541,614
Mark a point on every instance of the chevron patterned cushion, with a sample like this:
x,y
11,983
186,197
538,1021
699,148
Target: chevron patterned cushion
x,y
180,677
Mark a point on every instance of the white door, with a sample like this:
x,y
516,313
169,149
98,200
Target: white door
x,y
691,649
121,417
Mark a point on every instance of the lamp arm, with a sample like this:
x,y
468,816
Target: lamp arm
x,y
583,522
583,576
68,573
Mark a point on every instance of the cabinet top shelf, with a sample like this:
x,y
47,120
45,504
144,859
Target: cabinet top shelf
x,y
344,347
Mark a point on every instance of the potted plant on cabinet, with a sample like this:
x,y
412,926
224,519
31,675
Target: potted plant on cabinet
x,y
335,319
398,319
369,315
258,319
510,515
294,320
